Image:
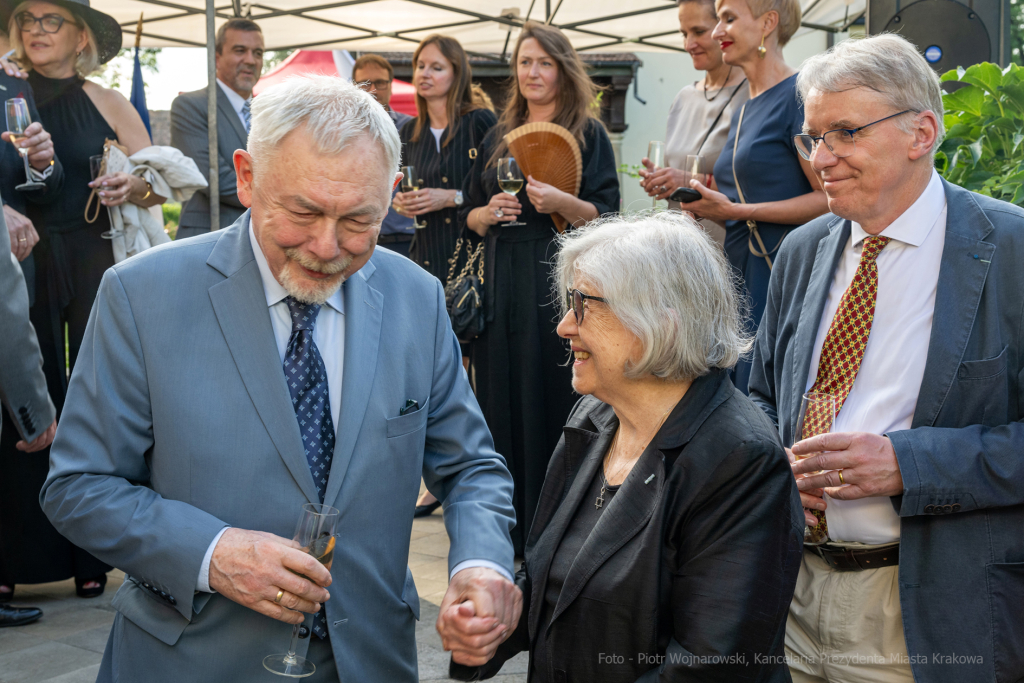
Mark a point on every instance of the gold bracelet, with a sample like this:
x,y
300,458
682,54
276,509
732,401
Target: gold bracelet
x,y
149,191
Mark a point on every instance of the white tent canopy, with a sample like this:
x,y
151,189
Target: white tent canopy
x,y
482,26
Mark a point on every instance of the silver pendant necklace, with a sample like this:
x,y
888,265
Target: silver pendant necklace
x,y
599,503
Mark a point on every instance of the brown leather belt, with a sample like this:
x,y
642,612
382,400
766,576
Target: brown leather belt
x,y
849,560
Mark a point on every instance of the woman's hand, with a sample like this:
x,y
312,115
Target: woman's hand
x,y
427,200
23,233
501,209
12,69
712,204
117,188
38,143
546,198
662,182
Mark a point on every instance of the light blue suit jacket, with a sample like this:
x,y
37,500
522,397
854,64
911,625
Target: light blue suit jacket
x,y
159,448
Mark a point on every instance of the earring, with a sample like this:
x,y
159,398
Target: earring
x,y
762,51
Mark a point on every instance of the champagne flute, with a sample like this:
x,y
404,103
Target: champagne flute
x,y
656,155
695,169
510,180
315,535
817,415
410,183
18,120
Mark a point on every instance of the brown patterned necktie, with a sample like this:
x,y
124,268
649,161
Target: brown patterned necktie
x,y
844,345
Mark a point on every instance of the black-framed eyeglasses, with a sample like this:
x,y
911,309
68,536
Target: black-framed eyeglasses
x,y
576,301
840,141
50,23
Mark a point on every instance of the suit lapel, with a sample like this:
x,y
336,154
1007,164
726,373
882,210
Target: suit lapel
x,y
228,112
580,444
966,259
241,309
364,309
830,248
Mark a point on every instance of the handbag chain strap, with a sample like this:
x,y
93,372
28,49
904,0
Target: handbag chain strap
x,y
475,256
751,223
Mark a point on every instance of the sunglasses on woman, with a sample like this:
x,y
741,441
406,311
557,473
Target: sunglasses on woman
x,y
575,300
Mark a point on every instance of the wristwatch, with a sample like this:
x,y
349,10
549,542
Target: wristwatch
x,y
458,198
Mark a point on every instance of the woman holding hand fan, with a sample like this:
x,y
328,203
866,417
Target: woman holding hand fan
x,y
522,381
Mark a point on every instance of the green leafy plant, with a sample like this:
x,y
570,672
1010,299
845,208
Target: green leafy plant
x,y
631,170
983,149
172,216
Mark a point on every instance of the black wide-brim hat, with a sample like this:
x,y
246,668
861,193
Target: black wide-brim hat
x,y
105,27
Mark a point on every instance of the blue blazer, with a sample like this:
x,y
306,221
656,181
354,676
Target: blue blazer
x,y
178,423
961,573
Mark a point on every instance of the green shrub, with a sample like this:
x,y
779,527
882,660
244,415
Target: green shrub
x,y
172,216
984,131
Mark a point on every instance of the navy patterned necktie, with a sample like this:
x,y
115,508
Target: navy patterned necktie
x,y
306,376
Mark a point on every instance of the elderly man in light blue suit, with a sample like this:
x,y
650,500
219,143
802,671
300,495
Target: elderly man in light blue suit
x,y
188,470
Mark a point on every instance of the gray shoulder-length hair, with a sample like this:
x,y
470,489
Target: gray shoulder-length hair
x,y
333,110
667,282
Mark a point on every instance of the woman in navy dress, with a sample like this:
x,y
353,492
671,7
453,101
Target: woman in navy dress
x,y
777,190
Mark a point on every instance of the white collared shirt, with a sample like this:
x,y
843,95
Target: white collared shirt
x,y
885,392
236,100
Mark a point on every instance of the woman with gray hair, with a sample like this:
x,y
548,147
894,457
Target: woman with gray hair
x,y
669,531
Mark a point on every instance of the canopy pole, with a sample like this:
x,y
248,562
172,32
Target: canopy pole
x,y
138,32
211,113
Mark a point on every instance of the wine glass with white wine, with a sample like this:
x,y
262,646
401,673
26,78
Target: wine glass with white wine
x,y
18,120
817,416
315,535
510,180
410,183
656,155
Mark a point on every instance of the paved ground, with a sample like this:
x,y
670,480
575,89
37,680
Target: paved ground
x,y
66,645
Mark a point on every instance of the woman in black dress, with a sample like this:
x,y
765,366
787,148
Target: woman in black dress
x,y
60,43
440,143
522,381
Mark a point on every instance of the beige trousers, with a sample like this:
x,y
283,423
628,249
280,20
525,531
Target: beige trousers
x,y
846,627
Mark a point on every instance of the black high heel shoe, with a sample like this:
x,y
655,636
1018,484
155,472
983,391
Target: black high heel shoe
x,y
90,592
9,595
426,510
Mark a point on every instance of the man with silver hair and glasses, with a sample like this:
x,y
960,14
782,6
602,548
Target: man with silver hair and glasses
x,y
189,470
904,305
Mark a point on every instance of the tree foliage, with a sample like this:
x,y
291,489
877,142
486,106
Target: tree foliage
x,y
983,149
118,71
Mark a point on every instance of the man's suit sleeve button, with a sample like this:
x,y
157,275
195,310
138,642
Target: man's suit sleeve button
x,y
929,509
22,410
946,509
170,599
956,507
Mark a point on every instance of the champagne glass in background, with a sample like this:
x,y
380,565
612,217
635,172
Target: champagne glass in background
x,y
695,169
656,155
817,415
510,180
410,183
18,120
315,535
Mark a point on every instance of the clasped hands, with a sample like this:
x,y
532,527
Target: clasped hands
x,y
419,202
867,461
479,612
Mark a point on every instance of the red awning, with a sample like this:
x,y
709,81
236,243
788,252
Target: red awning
x,y
403,95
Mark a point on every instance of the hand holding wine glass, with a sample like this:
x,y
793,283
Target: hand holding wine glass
x,y
656,157
410,183
21,133
817,416
510,181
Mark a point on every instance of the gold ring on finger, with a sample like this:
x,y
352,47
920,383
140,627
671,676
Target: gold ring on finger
x,y
841,480
280,594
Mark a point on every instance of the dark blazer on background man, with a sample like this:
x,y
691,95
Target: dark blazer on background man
x,y
189,134
696,555
961,572
22,384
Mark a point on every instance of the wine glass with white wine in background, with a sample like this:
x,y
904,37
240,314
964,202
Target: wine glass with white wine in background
x,y
817,416
410,183
18,119
656,155
510,180
315,534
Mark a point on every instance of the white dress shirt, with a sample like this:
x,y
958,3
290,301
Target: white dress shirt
x,y
884,394
236,100
329,337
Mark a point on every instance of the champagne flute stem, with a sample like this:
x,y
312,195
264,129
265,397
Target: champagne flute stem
x,y
290,657
28,172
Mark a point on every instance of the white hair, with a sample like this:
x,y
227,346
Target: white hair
x,y
887,64
667,282
333,111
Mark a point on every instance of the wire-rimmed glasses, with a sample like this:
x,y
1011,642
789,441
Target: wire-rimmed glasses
x,y
842,142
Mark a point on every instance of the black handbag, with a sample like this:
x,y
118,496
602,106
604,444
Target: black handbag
x,y
464,295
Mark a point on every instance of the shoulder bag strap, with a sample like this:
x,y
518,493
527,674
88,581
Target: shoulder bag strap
x,y
751,224
719,117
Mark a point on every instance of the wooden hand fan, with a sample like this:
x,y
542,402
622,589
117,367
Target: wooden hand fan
x,y
550,154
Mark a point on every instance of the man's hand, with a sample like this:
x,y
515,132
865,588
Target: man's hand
x,y
38,143
41,441
868,463
23,233
480,610
250,567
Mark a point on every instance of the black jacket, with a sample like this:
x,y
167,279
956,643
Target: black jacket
x,y
689,573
